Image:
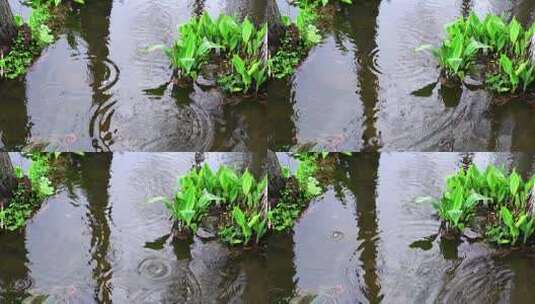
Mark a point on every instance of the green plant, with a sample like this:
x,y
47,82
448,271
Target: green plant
x,y
38,3
511,227
189,54
286,212
469,191
41,33
307,29
18,59
244,74
305,174
38,172
511,74
299,189
240,46
287,57
318,3
20,208
239,195
503,46
27,198
15,63
248,224
298,38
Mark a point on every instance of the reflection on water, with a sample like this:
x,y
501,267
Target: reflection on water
x,y
365,88
98,89
365,240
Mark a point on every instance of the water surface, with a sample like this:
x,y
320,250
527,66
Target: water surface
x,y
364,88
366,240
98,89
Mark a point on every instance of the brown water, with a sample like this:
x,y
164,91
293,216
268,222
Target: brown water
x,y
366,240
364,88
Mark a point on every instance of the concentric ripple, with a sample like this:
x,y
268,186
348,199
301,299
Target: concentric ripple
x,y
155,269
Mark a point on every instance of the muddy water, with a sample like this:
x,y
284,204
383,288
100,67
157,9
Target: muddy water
x,y
365,87
365,240
98,89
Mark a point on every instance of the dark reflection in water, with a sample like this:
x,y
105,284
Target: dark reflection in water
x,y
365,240
14,122
363,31
14,278
95,30
95,184
365,88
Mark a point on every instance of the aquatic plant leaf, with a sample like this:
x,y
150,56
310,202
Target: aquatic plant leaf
x,y
424,47
260,229
527,229
206,198
247,182
425,200
247,30
514,182
187,216
506,216
514,30
473,47
455,63
474,198
158,199
313,188
425,91
454,215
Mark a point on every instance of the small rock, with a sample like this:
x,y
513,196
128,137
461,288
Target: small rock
x,y
473,81
205,234
471,234
204,82
211,99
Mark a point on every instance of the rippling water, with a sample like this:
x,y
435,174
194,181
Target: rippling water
x,y
365,240
98,89
365,88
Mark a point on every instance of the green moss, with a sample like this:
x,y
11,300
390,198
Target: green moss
x,y
299,37
287,58
29,195
288,209
33,35
300,188
18,59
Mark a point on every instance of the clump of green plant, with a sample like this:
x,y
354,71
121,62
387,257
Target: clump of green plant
x,y
305,174
503,46
33,187
51,2
238,46
239,199
33,35
320,3
298,38
299,189
504,200
18,59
